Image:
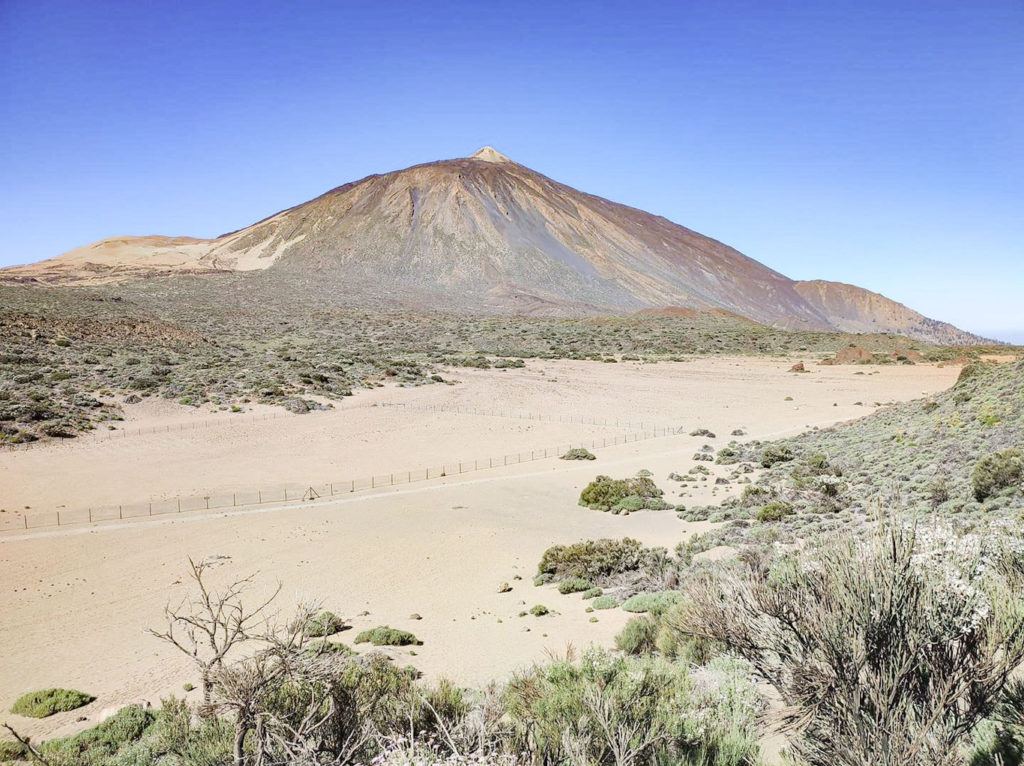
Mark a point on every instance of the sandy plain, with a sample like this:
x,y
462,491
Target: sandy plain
x,y
76,599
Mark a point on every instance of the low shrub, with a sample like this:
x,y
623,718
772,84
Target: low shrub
x,y
604,602
325,624
776,453
776,510
653,603
593,560
579,453
539,610
996,472
592,593
638,637
46,702
573,585
605,493
12,751
384,635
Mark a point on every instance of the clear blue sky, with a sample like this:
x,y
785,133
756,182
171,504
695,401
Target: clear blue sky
x,y
878,142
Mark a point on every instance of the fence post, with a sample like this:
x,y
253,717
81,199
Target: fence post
x,y
353,489
90,515
179,504
150,509
120,512
58,518
25,519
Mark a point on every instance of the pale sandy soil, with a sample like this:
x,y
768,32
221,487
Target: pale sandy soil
x,y
76,599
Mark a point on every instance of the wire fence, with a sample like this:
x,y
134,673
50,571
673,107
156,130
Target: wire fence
x,y
312,492
226,419
523,415
100,433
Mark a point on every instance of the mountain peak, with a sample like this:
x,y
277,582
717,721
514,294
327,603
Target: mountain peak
x,y
490,154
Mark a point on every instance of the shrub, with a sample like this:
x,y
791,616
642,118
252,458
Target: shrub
x,y
605,493
101,743
638,637
325,624
12,751
573,585
539,610
46,702
916,635
579,453
592,593
654,603
594,560
386,636
776,510
609,709
997,471
604,602
776,453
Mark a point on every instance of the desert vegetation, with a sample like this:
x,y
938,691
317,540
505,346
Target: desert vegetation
x,y
72,361
953,454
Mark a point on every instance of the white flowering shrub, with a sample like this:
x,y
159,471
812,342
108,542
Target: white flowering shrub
x,y
886,651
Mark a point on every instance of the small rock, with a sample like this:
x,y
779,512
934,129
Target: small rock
x,y
504,588
798,367
415,616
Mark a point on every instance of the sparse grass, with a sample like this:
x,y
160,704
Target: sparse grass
x,y
539,610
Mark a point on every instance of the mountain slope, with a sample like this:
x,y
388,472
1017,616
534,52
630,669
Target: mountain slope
x,y
485,234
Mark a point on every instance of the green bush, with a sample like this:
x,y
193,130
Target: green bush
x,y
997,471
775,453
539,610
100,744
654,603
604,602
638,637
776,510
592,711
573,585
46,702
325,624
592,593
594,560
12,751
605,493
384,635
579,453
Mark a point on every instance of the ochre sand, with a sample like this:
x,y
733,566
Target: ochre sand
x,y
77,599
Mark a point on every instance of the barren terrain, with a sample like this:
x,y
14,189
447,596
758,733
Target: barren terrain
x,y
77,598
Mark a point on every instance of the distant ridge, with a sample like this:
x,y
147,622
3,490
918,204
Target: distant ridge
x,y
486,234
